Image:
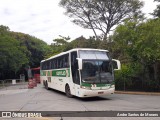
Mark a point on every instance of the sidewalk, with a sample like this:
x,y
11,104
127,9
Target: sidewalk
x,y
137,93
14,87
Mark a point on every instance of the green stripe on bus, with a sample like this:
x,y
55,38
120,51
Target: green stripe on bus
x,y
102,85
61,73
57,73
43,73
97,85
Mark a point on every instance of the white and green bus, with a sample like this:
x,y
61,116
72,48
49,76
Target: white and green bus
x,y
81,72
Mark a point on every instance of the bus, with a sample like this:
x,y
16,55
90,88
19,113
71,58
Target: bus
x,y
80,72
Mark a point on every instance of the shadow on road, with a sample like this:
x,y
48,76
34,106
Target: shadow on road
x,y
92,99
88,99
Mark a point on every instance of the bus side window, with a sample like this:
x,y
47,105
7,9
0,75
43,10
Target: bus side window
x,y
66,61
59,63
74,67
48,65
56,63
41,65
52,64
45,65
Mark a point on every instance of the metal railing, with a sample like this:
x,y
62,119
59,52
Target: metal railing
x,y
13,84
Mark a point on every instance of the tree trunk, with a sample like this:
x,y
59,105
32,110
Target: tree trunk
x,y
90,22
95,33
105,37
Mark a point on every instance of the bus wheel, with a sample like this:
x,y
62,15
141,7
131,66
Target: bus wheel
x,y
68,91
46,85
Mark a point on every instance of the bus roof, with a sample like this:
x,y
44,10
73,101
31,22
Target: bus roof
x,y
75,49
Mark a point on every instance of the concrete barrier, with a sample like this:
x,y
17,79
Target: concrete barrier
x,y
13,82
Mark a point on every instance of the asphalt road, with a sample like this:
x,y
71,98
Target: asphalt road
x,y
39,99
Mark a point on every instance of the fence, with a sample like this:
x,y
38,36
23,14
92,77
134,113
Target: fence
x,y
13,84
130,83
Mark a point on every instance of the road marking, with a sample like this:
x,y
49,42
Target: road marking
x,y
44,118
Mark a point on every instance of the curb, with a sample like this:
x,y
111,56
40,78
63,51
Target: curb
x,y
137,93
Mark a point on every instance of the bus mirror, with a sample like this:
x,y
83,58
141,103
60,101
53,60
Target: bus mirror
x,y
79,63
116,64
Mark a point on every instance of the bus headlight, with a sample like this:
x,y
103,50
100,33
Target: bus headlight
x,y
112,86
87,88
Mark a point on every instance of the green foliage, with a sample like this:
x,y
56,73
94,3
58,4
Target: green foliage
x,y
3,30
36,48
82,42
123,77
156,12
60,41
149,42
12,55
18,50
59,45
140,41
62,45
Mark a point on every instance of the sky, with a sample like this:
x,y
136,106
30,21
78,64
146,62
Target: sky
x,y
45,19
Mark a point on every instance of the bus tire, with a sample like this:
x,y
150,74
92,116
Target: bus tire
x,y
46,85
68,91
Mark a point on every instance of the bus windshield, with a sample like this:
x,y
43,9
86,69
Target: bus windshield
x,y
97,71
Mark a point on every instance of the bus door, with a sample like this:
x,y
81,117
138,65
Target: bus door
x,y
75,73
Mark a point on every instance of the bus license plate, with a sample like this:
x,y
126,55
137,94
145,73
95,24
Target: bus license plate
x,y
100,92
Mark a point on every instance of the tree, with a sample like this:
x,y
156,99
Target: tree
x,y
59,41
62,44
12,55
36,48
3,30
156,12
141,42
18,50
100,15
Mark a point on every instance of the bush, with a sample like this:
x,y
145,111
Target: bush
x,y
123,77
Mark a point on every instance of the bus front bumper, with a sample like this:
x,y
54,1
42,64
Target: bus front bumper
x,y
92,93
